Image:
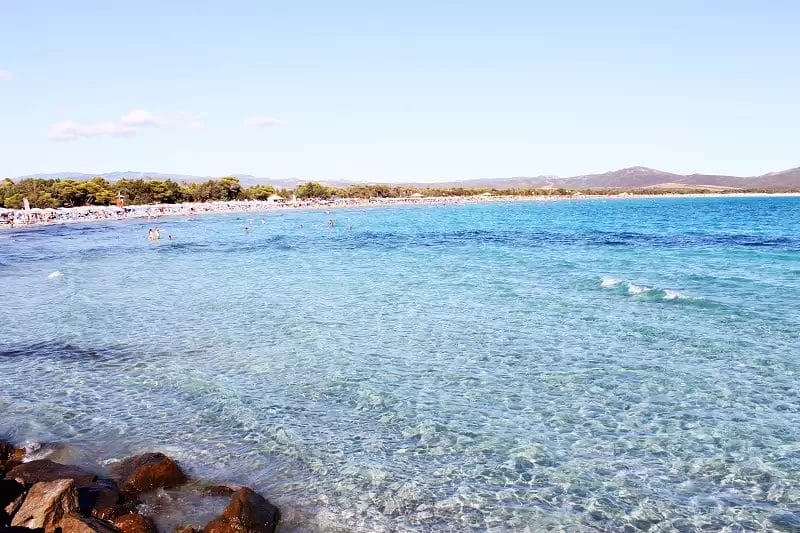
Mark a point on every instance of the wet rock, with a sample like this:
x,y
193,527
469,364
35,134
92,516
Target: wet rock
x,y
9,456
46,470
100,494
75,523
247,512
46,504
113,511
134,523
148,471
12,493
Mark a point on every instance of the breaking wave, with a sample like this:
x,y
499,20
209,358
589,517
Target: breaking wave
x,y
642,291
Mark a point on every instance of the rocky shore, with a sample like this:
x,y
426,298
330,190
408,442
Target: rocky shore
x,y
43,495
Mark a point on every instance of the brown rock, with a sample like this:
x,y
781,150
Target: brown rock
x,y
102,493
135,523
9,456
247,512
186,529
75,523
46,504
111,512
148,471
46,470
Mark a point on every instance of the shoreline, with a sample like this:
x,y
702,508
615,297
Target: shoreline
x,y
71,215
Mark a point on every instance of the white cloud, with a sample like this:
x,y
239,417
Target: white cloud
x,y
70,130
5,75
198,124
139,117
264,122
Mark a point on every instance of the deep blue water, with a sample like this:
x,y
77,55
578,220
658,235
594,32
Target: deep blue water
x,y
568,365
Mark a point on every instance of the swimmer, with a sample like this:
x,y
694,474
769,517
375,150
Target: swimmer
x,y
169,237
330,222
247,229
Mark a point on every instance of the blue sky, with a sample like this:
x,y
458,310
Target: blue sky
x,y
399,90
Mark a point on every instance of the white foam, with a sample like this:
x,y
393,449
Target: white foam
x,y
54,275
609,283
674,295
636,289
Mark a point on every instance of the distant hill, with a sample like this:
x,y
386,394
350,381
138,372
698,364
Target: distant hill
x,y
626,178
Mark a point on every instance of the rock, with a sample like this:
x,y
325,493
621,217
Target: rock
x,y
75,523
112,511
100,494
12,493
46,470
135,523
247,512
186,529
46,504
9,456
148,471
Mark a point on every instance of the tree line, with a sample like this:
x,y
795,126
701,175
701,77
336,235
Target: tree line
x,y
55,193
99,191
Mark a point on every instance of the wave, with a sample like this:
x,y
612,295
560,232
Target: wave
x,y
54,275
632,289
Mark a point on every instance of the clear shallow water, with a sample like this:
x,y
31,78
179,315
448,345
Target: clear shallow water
x,y
572,365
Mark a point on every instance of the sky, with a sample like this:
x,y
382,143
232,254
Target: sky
x,y
395,91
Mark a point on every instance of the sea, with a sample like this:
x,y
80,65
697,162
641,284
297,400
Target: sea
x,y
571,365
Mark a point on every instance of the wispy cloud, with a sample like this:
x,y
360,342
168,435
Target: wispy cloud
x,y
139,117
5,75
198,124
264,122
70,130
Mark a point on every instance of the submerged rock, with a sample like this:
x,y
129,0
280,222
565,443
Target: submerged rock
x,y
146,472
75,523
46,504
247,512
46,470
219,490
134,523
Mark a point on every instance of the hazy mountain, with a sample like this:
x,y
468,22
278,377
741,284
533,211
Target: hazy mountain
x,y
628,178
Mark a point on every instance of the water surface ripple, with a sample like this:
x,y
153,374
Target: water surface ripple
x,y
574,365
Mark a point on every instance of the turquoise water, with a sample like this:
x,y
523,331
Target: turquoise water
x,y
569,365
